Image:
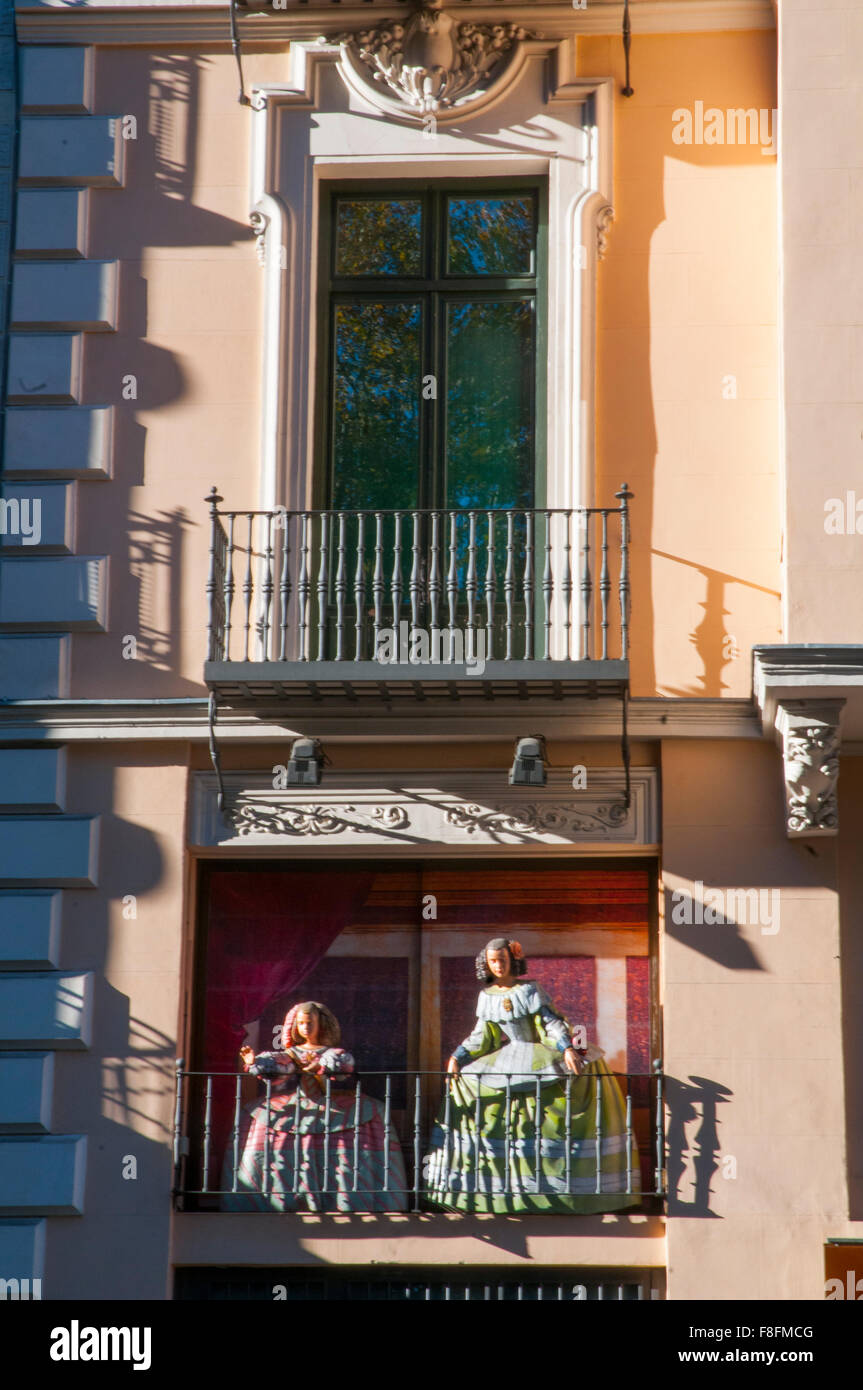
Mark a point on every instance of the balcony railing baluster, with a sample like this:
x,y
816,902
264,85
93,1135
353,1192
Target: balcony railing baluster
x,y
568,1133
507,1139
285,586
418,1141
235,1132
378,580
267,1123
323,583
466,575
490,586
297,1132
509,584
208,1131
359,588
598,1135
547,590
415,585
396,584
229,588
604,587
267,590
435,581
624,497
452,578
566,584
327,1122
304,585
586,591
358,1101
341,589
527,586
629,1143
470,588
248,589
537,1136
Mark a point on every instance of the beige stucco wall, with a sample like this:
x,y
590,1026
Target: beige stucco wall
x,y
822,340
687,316
119,1092
757,1019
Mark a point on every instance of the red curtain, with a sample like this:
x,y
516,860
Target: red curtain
x,y
266,932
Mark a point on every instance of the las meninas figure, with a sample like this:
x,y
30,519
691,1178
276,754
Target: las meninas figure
x,y
303,1153
508,1138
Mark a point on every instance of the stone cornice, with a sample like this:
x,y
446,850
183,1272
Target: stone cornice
x,y
130,721
194,22
807,671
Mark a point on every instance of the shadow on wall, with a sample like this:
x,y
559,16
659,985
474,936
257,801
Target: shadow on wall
x,y
640,363
715,645
692,1103
155,209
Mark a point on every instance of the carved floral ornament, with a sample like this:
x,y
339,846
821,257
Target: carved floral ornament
x,y
431,63
811,742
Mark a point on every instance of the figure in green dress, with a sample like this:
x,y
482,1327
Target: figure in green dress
x,y
524,1113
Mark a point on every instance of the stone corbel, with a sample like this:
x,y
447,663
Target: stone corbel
x,y
810,749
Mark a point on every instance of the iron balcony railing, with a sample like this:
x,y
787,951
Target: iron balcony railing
x,y
513,585
212,1121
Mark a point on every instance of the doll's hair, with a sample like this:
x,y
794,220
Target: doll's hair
x,y
329,1032
499,943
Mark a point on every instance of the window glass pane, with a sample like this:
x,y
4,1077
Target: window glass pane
x,y
378,236
489,403
376,404
491,236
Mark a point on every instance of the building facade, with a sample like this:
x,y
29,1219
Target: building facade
x,y
387,388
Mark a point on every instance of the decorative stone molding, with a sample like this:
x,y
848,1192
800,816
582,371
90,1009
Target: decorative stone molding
x,y
604,219
262,24
259,222
810,739
430,63
458,811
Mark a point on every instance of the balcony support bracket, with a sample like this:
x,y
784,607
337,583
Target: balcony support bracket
x,y
215,757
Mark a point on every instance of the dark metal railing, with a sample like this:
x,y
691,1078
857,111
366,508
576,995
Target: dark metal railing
x,y
501,584
415,1111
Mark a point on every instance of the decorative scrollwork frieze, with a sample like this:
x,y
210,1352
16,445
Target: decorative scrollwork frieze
x,y
528,819
259,818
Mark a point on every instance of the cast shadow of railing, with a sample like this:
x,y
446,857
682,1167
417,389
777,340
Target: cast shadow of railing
x,y
692,1102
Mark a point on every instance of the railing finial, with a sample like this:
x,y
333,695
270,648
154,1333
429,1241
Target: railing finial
x,y
213,499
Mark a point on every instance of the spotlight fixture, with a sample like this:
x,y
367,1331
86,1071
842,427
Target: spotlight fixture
x,y
528,770
306,763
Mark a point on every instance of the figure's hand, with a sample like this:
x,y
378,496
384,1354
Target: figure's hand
x,y
247,1057
570,1060
452,1067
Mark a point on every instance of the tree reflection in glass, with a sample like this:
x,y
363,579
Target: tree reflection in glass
x,y
376,404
